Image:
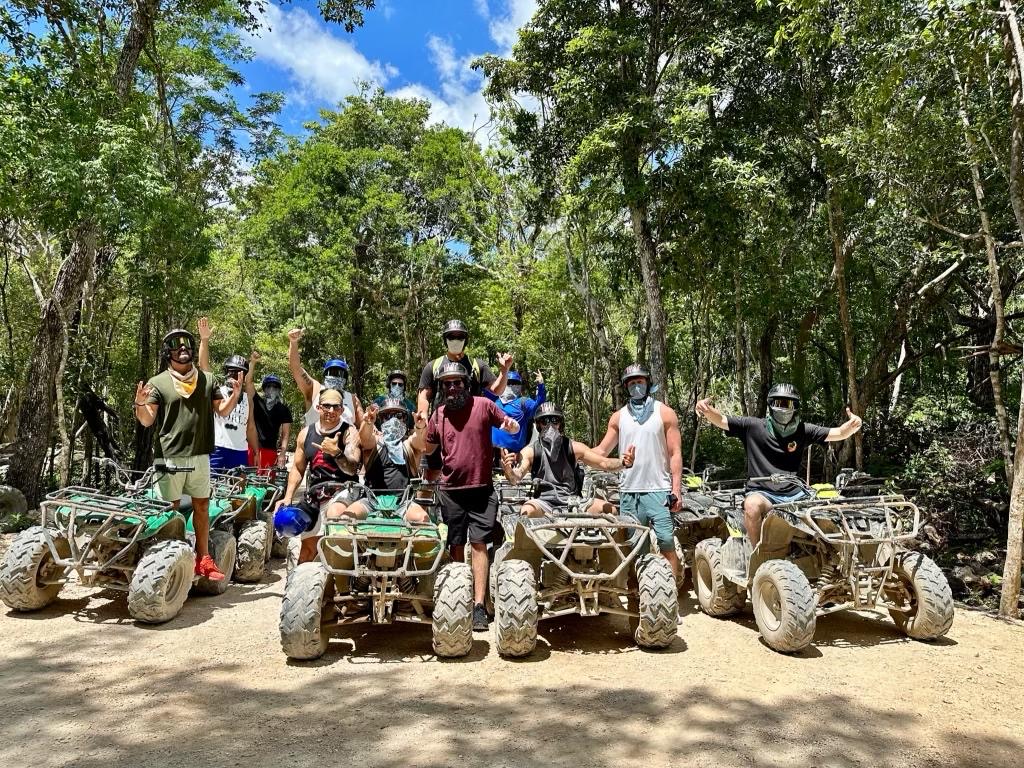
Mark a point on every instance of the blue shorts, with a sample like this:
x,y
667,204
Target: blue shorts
x,y
228,458
649,509
780,498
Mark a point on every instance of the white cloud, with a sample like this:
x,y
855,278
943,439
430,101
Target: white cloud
x,y
322,66
504,28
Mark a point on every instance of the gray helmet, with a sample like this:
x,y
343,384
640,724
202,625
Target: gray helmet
x,y
452,369
391,404
396,374
453,327
787,391
236,363
635,371
547,410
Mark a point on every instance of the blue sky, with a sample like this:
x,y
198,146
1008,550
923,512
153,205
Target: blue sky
x,y
416,48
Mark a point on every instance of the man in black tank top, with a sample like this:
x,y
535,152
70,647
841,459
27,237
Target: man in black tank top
x,y
329,450
391,458
553,460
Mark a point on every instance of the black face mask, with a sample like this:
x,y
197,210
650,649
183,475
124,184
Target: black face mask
x,y
457,401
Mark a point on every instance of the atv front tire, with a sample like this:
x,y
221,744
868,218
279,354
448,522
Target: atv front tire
x,y
161,582
452,622
658,603
784,606
303,634
717,595
26,567
931,600
253,544
515,608
224,551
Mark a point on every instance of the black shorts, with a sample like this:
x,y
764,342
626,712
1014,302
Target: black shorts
x,y
431,461
469,513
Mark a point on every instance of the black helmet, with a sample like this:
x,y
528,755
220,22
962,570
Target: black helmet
x,y
397,375
451,369
236,363
787,391
453,327
634,371
391,404
548,409
173,338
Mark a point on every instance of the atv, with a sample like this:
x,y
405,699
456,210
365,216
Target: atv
x,y
575,562
267,485
698,519
819,556
128,541
380,570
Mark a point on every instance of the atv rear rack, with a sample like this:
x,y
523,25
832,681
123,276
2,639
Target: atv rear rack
x,y
364,545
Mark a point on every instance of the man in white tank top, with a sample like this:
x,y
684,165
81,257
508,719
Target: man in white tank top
x,y
335,377
650,489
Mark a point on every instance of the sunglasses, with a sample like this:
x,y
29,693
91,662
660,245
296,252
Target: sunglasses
x,y
179,341
330,407
455,384
546,420
455,336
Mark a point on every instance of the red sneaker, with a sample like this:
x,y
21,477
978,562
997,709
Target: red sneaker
x,y
206,567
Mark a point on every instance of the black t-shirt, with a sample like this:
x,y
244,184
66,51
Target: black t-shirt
x,y
475,384
270,421
767,455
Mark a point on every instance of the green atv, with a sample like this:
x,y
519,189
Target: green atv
x,y
823,555
268,485
380,570
129,542
575,562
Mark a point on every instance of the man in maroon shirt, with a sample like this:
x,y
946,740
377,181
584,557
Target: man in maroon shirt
x,y
461,426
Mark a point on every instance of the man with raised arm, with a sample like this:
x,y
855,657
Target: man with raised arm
x,y
336,376
774,446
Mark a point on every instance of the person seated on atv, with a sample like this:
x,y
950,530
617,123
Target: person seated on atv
x,y
336,376
329,449
397,387
774,446
520,408
270,419
554,461
391,457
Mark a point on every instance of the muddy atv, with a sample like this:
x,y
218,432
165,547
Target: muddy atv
x,y
698,519
820,556
268,486
578,563
378,570
126,541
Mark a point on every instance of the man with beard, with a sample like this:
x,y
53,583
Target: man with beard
x,y
271,419
461,428
329,449
650,489
774,446
181,401
553,460
391,457
336,376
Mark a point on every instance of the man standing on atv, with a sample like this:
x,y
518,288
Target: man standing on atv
x,y
397,388
336,376
271,419
329,449
553,460
651,489
391,457
461,427
181,401
520,408
774,446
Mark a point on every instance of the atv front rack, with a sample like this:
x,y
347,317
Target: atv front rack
x,y
584,530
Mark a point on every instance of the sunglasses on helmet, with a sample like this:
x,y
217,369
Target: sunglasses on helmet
x,y
174,342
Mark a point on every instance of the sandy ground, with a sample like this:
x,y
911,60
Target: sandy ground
x,y
83,685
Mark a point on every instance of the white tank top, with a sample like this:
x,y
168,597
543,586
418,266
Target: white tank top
x,y
229,431
650,472
348,413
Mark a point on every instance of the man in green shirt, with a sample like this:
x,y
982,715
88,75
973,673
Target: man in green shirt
x,y
181,401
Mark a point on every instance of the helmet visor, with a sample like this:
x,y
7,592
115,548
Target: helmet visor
x,y
179,340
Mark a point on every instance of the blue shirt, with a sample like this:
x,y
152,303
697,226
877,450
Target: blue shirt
x,y
521,409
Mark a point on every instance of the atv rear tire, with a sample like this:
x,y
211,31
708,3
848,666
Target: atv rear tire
x,y
27,563
303,634
224,551
716,594
658,604
515,608
12,502
931,605
784,606
161,582
452,622
251,559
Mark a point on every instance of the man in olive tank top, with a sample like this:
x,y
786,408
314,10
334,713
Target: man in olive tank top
x,y
650,489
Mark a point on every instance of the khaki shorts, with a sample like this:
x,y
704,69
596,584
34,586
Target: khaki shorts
x,y
320,528
195,483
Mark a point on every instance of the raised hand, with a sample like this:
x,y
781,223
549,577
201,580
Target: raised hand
x,y
205,329
295,334
539,379
254,357
505,361
854,421
329,446
235,384
705,409
510,425
629,456
143,391
370,414
419,421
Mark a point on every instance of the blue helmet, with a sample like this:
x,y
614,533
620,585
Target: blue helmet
x,y
514,377
270,380
292,520
336,362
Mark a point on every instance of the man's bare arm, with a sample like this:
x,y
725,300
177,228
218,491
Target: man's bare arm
x,y
611,437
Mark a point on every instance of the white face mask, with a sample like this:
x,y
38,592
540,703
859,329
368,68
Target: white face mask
x,y
336,382
394,429
455,346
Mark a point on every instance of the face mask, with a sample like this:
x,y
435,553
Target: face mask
x,y
272,396
782,416
550,433
517,389
508,395
397,390
638,390
336,382
455,346
394,429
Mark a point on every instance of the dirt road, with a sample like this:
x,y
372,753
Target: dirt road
x,y
82,685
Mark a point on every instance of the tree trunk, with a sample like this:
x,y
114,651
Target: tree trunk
x,y
1013,49
142,451
36,415
764,357
143,18
741,348
1008,599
